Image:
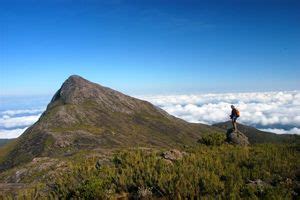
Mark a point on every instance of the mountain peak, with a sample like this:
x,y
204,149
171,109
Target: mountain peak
x,y
76,89
79,91
75,76
76,80
86,115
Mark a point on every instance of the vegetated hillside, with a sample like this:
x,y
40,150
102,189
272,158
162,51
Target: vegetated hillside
x,y
256,136
4,141
85,115
265,171
220,172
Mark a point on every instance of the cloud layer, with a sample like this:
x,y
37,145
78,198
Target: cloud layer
x,y
14,122
268,110
14,133
282,131
277,112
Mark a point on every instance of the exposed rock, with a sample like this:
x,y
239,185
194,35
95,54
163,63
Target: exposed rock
x,y
173,155
257,182
62,142
19,174
237,138
258,185
144,193
77,90
34,169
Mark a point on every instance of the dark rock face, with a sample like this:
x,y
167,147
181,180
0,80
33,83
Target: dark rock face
x,y
237,138
86,115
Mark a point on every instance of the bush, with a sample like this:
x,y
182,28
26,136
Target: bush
x,y
213,139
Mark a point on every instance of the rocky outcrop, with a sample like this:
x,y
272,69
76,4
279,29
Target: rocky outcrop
x,y
34,169
237,138
173,155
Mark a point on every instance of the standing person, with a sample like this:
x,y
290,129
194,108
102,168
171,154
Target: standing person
x,y
234,115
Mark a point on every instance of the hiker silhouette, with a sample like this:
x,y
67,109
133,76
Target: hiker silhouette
x,y
234,115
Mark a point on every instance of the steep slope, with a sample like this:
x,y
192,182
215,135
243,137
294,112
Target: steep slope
x,y
85,115
256,136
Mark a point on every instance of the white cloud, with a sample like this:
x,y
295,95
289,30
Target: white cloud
x,y
282,131
21,112
14,122
14,133
7,122
261,109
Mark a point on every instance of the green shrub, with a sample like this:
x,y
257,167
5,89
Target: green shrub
x,y
213,139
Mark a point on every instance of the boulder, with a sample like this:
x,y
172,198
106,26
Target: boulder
x,y
173,155
237,138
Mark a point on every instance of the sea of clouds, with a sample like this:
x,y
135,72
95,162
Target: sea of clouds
x,y
277,112
17,113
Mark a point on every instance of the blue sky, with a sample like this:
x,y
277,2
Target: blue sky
x,y
142,47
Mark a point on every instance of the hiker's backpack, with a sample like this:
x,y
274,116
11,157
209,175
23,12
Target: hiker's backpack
x,y
237,112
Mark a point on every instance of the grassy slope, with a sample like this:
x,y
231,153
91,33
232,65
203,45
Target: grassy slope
x,y
5,149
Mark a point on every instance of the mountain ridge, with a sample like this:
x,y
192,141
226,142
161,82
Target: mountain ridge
x,y
86,115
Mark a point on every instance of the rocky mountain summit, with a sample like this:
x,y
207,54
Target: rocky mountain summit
x,y
86,115
78,91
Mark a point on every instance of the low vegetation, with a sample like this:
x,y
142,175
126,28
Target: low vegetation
x,y
213,139
266,171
